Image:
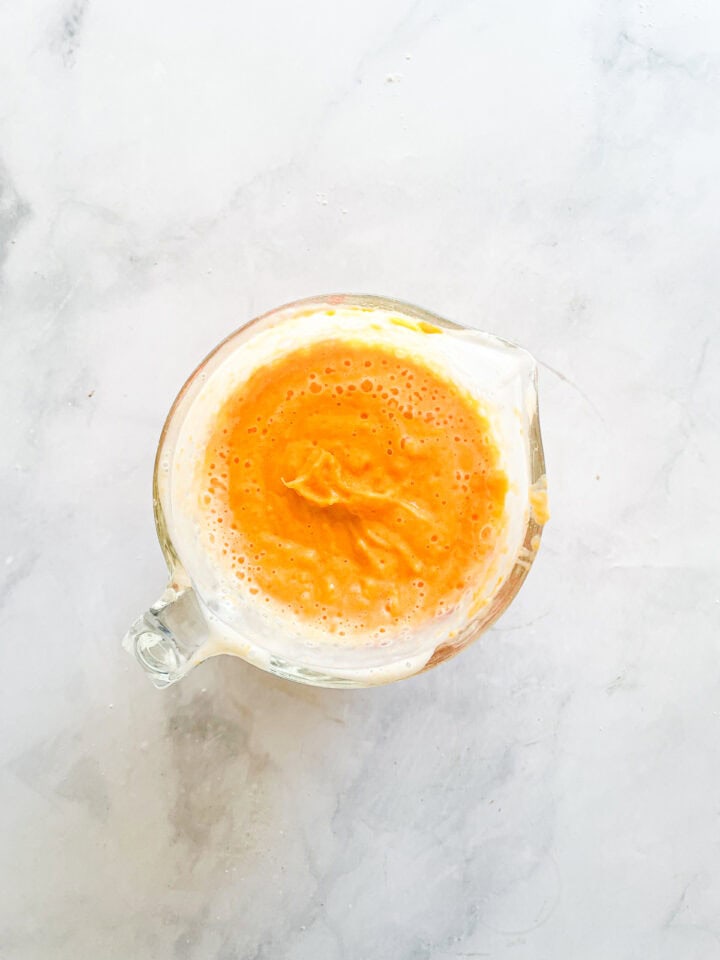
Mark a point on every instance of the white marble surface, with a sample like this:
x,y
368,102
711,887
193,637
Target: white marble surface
x,y
548,171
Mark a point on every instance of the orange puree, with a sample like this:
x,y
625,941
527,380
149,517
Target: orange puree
x,y
354,486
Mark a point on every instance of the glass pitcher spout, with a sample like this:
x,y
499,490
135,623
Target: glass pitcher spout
x,y
167,640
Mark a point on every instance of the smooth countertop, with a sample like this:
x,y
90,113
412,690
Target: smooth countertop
x,y
548,172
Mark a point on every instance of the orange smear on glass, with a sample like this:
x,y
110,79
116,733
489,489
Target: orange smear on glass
x,y
355,487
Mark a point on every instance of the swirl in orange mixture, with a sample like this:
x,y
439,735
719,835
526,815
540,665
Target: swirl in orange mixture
x,y
354,486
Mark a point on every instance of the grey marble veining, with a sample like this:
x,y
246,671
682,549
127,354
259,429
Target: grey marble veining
x,y
545,171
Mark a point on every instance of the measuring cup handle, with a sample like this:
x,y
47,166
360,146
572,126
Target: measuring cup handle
x,y
167,639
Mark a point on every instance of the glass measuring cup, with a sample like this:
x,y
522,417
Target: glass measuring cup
x,y
191,622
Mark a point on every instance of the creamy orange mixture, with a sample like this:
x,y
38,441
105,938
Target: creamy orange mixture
x,y
354,486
